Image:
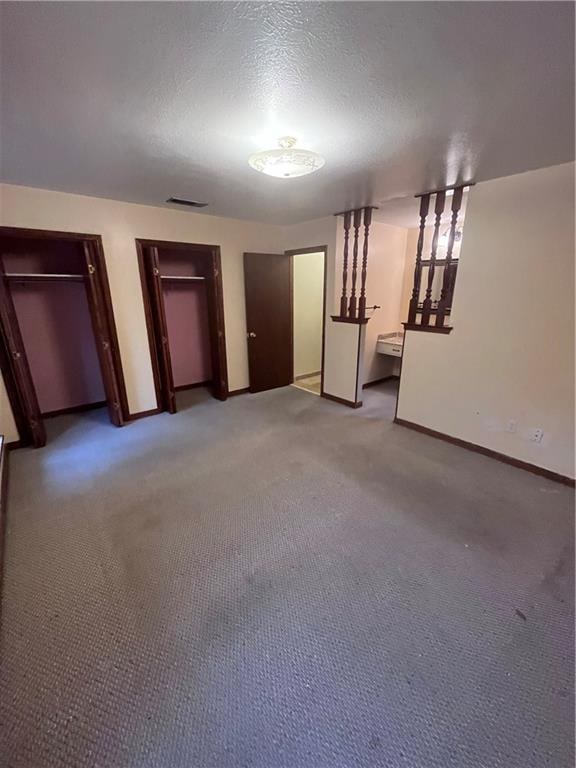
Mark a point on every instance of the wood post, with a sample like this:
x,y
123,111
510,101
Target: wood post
x,y
445,302
362,300
357,221
344,297
427,303
353,309
413,307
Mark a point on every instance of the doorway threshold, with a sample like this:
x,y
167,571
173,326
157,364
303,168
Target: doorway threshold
x,y
309,383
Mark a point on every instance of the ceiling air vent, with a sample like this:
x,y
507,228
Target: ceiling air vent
x,y
189,203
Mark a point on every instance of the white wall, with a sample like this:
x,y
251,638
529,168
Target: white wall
x,y
308,290
511,353
384,284
119,224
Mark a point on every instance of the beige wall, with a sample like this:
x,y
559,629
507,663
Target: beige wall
x,y
384,285
510,356
119,224
308,290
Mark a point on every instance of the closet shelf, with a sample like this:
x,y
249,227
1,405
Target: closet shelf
x,y
181,277
36,276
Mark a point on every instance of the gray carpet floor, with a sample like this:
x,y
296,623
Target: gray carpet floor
x,y
281,582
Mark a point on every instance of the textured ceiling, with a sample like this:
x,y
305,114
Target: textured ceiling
x,y
140,101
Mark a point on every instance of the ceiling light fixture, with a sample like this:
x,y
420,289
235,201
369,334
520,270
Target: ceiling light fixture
x,y
287,162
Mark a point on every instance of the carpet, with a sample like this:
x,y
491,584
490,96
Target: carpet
x,y
278,581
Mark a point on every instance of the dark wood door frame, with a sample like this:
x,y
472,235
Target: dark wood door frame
x,y
318,249
101,313
16,372
210,254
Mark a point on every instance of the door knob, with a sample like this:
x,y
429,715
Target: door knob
x,y
251,335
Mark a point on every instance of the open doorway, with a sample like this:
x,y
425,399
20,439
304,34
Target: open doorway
x,y
182,291
308,285
58,346
285,308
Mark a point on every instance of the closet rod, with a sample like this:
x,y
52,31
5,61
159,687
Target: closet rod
x,y
181,277
41,276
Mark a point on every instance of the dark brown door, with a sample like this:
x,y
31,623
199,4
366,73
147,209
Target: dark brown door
x,y
19,369
161,327
268,285
102,336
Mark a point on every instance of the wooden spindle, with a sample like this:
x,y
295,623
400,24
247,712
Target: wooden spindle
x,y
445,302
427,303
344,297
357,221
363,273
413,307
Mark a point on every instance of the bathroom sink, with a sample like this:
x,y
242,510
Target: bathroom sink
x,y
390,344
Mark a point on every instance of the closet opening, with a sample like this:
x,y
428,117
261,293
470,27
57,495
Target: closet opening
x,y
58,345
183,303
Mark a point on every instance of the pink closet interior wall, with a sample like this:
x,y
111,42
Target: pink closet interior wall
x,y
186,310
42,256
181,262
57,333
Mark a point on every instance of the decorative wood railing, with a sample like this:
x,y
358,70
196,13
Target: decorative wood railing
x,y
428,313
353,308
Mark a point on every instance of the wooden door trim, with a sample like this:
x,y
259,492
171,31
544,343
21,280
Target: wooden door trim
x,y
151,331
317,249
13,390
97,253
94,243
162,338
20,366
215,298
218,329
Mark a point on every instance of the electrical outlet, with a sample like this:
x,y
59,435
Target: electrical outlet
x,y
536,435
512,426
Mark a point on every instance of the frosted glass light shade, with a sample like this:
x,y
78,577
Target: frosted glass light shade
x,y
287,162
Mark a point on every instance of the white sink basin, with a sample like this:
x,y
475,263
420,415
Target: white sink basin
x,y
390,345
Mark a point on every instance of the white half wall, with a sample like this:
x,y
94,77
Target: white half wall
x,y
308,298
507,368
344,346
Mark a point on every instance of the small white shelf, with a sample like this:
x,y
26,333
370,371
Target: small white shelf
x,y
182,277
